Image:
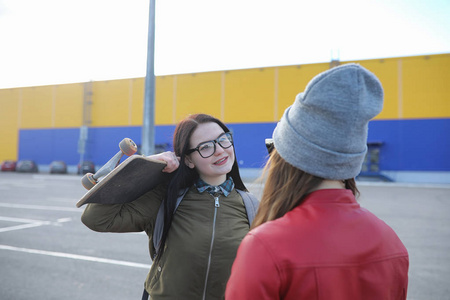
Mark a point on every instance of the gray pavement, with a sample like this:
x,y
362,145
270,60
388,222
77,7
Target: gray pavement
x,y
46,253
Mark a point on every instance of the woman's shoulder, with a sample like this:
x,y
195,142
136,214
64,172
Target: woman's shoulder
x,y
270,230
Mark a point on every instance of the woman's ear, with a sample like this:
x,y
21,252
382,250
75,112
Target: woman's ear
x,y
188,162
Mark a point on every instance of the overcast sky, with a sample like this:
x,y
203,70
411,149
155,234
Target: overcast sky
x,y
63,41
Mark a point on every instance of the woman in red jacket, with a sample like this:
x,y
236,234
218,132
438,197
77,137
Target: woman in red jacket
x,y
310,238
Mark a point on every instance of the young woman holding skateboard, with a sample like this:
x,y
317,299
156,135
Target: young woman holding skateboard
x,y
200,236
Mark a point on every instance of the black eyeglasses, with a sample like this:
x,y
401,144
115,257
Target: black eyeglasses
x,y
207,149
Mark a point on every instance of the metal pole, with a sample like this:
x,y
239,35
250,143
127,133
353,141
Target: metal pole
x,y
148,126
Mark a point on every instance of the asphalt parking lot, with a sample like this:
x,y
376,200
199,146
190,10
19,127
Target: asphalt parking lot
x,y
47,253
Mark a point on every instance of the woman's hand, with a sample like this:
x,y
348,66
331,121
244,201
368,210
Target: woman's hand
x,y
173,162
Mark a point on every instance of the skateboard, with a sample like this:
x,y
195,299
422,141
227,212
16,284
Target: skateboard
x,y
127,147
122,182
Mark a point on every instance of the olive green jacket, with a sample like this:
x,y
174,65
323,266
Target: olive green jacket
x,y
200,247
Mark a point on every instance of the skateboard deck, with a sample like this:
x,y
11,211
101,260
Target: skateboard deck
x,y
128,181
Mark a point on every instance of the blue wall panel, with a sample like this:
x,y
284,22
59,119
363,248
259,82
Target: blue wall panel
x,y
413,145
408,145
46,145
103,142
249,141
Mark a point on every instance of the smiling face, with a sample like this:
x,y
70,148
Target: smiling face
x,y
213,170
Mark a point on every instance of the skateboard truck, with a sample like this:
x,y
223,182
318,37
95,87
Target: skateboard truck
x,y
127,147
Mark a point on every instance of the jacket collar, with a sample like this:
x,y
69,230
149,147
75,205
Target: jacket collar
x,y
330,196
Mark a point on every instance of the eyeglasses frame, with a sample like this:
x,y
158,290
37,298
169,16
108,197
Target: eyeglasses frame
x,y
215,141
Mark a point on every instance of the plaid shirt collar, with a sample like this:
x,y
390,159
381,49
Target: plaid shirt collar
x,y
225,188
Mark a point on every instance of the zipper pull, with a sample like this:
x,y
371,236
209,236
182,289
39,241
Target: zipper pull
x,y
216,202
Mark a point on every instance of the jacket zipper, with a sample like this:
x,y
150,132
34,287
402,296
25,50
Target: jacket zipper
x,y
216,206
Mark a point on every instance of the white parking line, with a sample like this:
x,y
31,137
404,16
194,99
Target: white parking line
x,y
31,223
76,257
20,220
64,220
41,207
18,227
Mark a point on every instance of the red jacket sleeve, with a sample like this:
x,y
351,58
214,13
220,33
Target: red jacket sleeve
x,y
254,275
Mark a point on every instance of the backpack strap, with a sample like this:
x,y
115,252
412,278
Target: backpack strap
x,y
159,223
251,204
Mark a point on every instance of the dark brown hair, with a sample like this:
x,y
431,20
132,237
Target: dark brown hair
x,y
286,187
184,177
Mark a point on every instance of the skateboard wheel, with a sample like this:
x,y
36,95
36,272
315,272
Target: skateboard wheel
x,y
88,181
128,147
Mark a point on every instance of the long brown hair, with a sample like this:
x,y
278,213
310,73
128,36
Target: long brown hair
x,y
285,188
184,176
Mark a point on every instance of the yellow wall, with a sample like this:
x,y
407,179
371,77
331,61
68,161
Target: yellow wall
x,y
36,107
110,103
164,100
9,123
67,105
136,90
415,87
197,93
291,81
426,86
249,96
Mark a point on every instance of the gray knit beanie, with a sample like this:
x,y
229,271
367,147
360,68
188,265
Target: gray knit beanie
x,y
324,133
